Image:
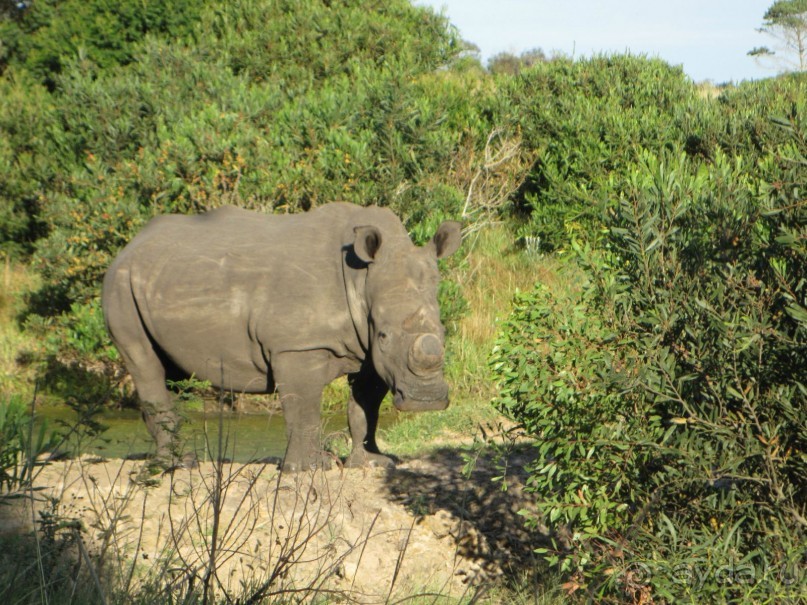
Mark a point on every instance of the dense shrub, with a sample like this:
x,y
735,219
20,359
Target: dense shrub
x,y
297,45
668,395
586,122
26,163
45,35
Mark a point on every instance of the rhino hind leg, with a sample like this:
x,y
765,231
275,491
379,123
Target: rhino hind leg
x,y
148,374
367,391
156,404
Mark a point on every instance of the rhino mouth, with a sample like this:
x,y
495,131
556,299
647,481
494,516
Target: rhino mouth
x,y
420,403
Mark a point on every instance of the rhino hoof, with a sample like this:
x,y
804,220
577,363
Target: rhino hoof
x,y
362,459
319,463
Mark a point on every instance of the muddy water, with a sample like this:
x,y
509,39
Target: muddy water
x,y
245,437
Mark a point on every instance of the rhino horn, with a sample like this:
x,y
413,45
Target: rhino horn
x,y
426,354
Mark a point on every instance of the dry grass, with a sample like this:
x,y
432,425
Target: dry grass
x,y
17,281
709,90
495,270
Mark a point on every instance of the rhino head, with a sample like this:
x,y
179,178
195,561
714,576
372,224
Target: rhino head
x,y
406,337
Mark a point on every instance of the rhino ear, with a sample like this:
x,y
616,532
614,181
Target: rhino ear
x,y
447,239
367,242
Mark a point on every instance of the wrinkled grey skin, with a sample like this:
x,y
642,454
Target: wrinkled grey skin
x,y
256,303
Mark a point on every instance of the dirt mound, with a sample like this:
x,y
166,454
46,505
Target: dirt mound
x,y
424,526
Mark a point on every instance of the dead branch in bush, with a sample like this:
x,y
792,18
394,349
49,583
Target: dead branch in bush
x,y
90,567
292,534
502,171
363,547
399,562
108,512
281,538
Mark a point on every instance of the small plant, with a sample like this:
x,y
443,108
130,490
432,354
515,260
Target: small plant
x,y
189,392
21,445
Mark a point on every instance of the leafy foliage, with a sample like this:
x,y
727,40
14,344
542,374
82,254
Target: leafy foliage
x,y
45,36
668,396
586,122
20,446
26,117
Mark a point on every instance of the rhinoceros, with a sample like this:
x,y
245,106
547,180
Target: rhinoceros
x,y
258,303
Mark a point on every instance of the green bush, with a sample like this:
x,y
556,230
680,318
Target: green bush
x,y
48,34
20,446
586,122
668,396
81,332
26,160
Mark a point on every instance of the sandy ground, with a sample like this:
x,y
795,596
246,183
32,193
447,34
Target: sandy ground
x,y
426,526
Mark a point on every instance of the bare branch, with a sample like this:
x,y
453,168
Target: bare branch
x,y
501,173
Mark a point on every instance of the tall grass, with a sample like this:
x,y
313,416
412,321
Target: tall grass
x,y
496,267
16,280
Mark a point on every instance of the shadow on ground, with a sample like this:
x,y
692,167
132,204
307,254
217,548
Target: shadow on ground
x,y
478,504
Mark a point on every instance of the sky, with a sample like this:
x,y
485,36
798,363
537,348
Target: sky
x,y
710,38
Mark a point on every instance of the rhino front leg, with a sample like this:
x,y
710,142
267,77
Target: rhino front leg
x,y
300,378
367,391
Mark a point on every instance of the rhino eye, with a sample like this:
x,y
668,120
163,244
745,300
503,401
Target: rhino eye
x,y
383,340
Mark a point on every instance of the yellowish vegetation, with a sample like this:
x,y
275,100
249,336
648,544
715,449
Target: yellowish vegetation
x,y
495,270
709,90
17,280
